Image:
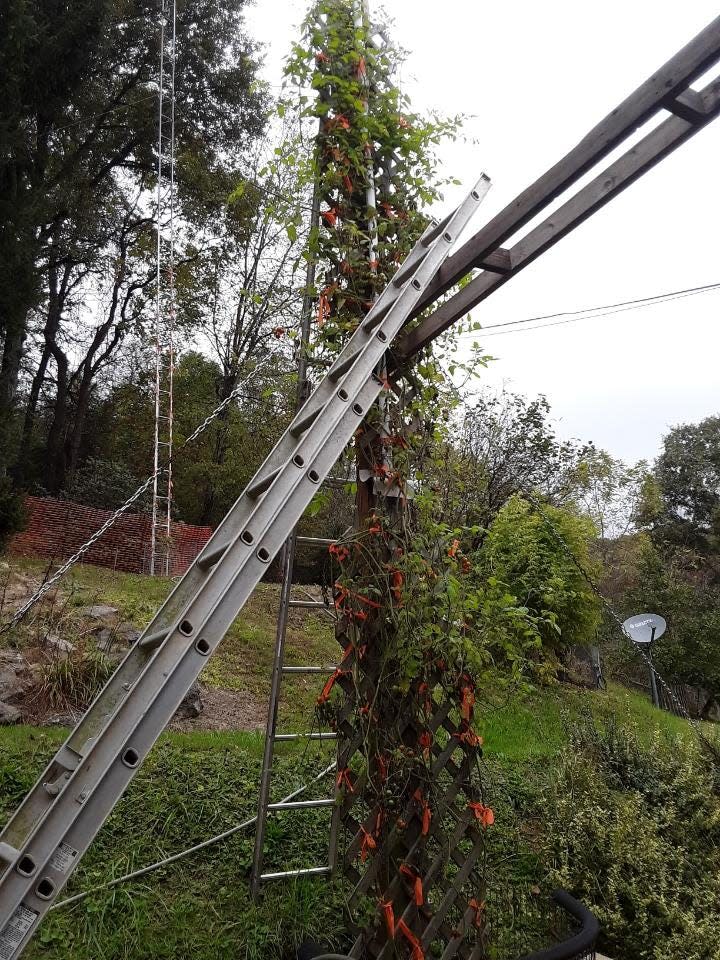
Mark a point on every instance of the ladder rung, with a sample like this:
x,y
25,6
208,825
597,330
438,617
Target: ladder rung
x,y
261,485
409,267
343,366
316,541
309,604
153,640
304,872
300,804
434,232
286,737
307,421
8,854
211,558
377,315
309,669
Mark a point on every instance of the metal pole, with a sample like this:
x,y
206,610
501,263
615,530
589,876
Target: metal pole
x,y
651,668
158,298
365,496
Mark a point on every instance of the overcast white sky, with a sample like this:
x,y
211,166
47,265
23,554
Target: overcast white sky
x,y
535,77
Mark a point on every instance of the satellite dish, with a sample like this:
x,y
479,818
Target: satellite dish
x,y
644,627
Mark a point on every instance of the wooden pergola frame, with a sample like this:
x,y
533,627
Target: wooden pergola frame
x,y
667,90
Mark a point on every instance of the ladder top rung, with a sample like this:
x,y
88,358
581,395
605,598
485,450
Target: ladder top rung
x,y
309,604
316,541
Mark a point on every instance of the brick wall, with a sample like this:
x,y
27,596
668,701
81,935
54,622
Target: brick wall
x,y
57,528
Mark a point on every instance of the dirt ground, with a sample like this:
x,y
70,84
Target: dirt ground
x,y
224,710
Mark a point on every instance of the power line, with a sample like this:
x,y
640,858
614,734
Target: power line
x,y
592,313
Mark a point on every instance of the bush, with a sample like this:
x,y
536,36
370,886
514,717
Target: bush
x,y
521,552
73,682
635,834
106,485
12,511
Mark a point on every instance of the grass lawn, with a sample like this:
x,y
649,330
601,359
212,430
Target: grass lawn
x,y
196,785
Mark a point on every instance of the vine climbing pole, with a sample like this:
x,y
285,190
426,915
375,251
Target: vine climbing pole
x,y
409,815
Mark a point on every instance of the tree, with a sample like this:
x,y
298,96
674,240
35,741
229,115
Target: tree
x,y
121,426
687,474
79,109
613,494
83,332
690,602
521,552
252,292
504,445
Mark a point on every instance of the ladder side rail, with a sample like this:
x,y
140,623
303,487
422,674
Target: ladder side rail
x,y
273,704
103,777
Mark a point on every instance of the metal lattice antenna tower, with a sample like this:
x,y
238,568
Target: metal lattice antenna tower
x,y
160,544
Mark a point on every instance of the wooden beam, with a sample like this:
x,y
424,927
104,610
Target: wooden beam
x,y
608,184
667,84
688,105
498,261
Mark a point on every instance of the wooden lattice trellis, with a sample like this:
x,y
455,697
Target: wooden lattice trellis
x,y
417,868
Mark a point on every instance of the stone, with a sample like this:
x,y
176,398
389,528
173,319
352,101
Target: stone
x,y
122,636
8,714
98,611
58,643
12,682
127,633
14,657
17,588
104,639
192,703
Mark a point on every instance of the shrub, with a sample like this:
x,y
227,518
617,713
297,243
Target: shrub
x,y
12,511
522,552
75,680
635,834
106,485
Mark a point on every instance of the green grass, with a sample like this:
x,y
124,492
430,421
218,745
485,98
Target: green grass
x,y
192,787
199,784
536,726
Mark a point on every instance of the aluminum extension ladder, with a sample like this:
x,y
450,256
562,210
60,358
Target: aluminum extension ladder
x,y
46,837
